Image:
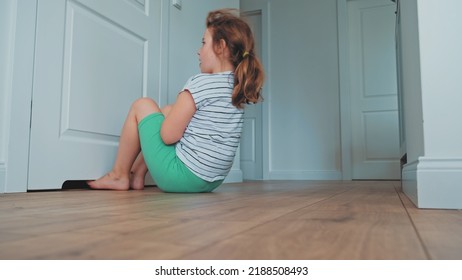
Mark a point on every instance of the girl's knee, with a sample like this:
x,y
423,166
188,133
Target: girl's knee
x,y
145,103
144,106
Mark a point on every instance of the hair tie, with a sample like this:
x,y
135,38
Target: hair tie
x,y
245,54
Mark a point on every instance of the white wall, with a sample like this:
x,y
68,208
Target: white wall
x,y
302,88
431,60
5,24
440,27
6,27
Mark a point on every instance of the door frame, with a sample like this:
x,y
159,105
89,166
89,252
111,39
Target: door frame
x,y
17,162
259,115
264,9
344,89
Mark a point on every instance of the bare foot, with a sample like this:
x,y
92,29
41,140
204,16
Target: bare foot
x,y
137,181
110,182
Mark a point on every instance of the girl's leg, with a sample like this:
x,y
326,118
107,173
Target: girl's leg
x,y
129,148
139,168
138,173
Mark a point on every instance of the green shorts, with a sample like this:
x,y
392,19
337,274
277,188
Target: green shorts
x,y
169,172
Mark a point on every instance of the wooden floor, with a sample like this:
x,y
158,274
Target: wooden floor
x,y
252,220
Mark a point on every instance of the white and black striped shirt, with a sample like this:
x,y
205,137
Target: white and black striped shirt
x,y
210,141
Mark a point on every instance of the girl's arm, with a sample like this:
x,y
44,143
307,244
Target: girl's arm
x,y
178,118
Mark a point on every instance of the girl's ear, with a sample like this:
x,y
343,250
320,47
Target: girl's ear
x,y
221,47
223,44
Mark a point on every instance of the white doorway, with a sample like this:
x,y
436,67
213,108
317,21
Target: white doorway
x,y
252,139
92,60
373,90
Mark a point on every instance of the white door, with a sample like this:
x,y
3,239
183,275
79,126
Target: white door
x,y
92,60
251,141
373,88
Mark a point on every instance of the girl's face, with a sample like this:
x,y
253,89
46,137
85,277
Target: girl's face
x,y
208,59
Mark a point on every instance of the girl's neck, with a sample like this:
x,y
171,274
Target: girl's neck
x,y
224,66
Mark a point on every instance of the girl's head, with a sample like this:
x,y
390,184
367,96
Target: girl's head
x,y
232,40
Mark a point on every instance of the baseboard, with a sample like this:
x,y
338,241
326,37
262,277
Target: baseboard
x,y
2,177
234,176
305,175
434,182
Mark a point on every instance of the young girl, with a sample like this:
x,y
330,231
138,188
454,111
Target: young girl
x,y
189,146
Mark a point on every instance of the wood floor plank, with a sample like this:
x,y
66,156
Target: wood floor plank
x,y
324,235
126,248
49,246
440,230
180,232
365,196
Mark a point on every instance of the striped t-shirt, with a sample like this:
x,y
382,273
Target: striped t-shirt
x,y
210,141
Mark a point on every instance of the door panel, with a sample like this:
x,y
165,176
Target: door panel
x,y
93,74
375,131
93,59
